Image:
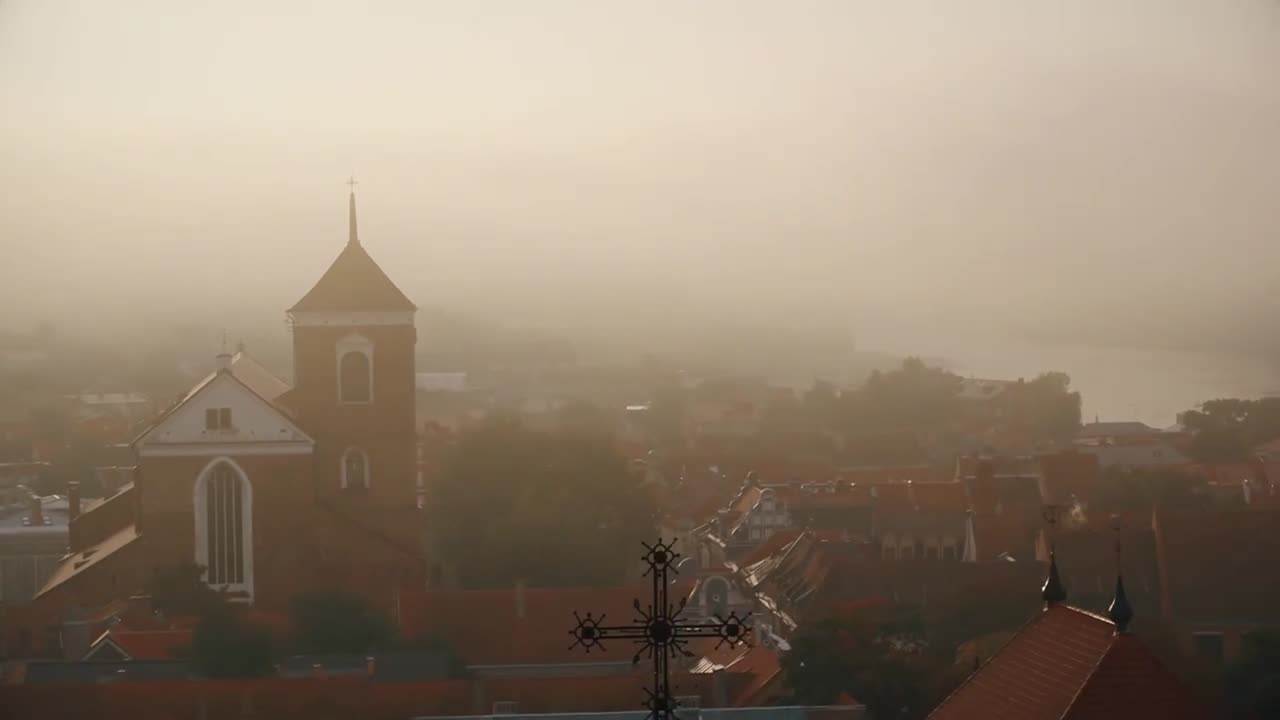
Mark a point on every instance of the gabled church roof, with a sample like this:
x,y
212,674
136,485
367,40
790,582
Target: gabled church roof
x,y
353,283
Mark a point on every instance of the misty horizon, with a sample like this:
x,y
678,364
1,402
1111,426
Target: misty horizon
x,y
941,181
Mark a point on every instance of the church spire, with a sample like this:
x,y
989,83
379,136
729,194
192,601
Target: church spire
x,y
353,236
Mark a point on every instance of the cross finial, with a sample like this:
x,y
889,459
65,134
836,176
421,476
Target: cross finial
x,y
352,183
224,340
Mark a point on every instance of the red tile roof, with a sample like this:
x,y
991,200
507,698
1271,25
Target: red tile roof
x,y
940,497
1070,474
488,628
760,665
1067,663
147,644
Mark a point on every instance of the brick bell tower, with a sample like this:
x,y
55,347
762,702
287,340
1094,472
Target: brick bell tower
x,y
353,370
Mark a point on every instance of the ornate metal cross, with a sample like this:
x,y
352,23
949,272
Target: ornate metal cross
x,y
659,631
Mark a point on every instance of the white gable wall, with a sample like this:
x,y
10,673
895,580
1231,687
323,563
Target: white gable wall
x,y
252,420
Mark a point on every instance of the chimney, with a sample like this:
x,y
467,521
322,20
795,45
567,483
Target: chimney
x,y
37,511
519,593
223,361
73,500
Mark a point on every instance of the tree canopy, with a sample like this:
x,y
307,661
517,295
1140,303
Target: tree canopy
x,y
879,655
225,645
1225,430
550,508
1253,679
338,621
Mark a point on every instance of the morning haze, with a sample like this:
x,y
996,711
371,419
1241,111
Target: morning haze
x,y
1092,173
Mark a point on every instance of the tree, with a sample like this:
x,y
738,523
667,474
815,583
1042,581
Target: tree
x,y
338,621
1045,408
880,656
915,397
1225,430
551,508
180,590
1253,679
225,645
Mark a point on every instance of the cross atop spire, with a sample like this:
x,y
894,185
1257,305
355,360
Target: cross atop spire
x,y
353,236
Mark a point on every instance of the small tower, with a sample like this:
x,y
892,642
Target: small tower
x,y
353,357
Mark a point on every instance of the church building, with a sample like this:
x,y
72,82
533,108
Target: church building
x,y
274,489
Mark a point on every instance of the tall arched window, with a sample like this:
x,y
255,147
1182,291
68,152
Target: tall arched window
x,y
355,377
355,469
224,526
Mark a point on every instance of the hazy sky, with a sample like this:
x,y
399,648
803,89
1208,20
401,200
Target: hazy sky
x,y
980,162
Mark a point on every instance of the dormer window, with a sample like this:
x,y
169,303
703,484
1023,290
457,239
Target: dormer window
x,y
355,469
217,419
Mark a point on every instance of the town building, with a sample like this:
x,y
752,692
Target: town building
x,y
273,489
1070,664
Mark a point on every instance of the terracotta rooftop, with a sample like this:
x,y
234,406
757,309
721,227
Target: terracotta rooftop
x,y
146,644
522,627
1067,664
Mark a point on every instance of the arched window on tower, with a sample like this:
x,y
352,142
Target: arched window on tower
x,y
355,469
355,377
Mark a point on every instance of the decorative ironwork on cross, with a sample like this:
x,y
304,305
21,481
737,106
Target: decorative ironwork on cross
x,y
659,630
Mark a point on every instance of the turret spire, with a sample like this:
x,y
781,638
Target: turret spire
x,y
1053,590
1120,611
353,236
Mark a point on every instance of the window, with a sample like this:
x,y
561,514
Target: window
x,y
217,419
355,377
931,552
1208,646
755,533
949,552
225,521
908,552
355,469
890,552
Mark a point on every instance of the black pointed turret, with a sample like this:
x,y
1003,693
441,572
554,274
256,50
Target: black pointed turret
x,y
1053,591
1120,612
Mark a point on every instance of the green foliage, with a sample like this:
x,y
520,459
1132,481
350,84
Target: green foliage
x,y
915,397
880,656
436,644
1225,430
553,509
224,645
1125,490
1253,679
179,590
337,621
1046,407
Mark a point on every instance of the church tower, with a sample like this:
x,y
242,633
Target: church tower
x,y
353,382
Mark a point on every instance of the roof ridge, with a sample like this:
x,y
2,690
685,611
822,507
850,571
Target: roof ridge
x,y
1038,617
